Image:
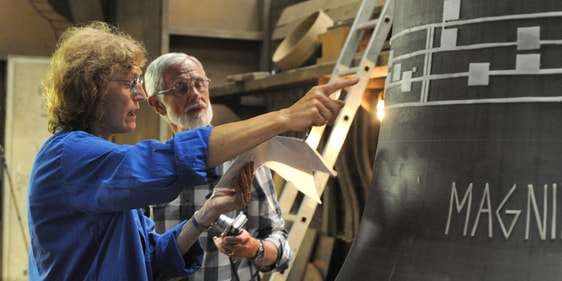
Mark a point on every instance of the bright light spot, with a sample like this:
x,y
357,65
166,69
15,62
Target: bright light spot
x,y
380,110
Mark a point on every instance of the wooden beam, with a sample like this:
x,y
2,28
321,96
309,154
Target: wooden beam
x,y
295,77
299,76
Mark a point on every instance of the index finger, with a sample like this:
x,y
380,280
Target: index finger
x,y
339,84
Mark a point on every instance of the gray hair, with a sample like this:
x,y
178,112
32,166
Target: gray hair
x,y
154,75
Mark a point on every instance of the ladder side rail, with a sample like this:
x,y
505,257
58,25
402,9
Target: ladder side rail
x,y
354,36
287,197
380,32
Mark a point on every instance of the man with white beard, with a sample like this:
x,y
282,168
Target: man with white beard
x,y
178,90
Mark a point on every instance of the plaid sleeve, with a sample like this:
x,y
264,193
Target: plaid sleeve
x,y
271,226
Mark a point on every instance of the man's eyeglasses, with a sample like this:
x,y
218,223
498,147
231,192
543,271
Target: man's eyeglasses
x,y
181,88
132,83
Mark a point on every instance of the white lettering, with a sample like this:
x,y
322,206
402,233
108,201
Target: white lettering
x,y
532,201
507,219
467,198
515,213
488,210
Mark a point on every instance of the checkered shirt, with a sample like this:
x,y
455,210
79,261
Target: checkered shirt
x,y
265,222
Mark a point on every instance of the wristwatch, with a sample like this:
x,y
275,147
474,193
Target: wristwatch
x,y
260,252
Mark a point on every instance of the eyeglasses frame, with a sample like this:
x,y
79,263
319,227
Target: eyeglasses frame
x,y
133,83
190,84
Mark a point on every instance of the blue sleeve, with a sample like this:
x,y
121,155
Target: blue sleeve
x,y
100,176
166,257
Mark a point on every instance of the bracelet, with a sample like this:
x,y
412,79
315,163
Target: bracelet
x,y
197,225
259,252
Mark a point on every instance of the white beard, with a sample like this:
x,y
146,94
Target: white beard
x,y
189,121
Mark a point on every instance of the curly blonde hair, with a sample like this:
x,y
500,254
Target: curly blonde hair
x,y
85,58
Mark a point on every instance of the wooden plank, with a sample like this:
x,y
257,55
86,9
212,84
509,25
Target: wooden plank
x,y
287,78
216,33
247,76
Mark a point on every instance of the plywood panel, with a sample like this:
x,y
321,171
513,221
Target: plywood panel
x,y
26,130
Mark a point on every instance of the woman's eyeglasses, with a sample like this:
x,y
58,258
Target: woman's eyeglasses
x,y
132,83
181,88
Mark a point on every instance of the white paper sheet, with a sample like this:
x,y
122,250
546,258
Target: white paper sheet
x,y
291,158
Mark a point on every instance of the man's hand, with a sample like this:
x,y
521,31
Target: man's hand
x,y
221,201
242,245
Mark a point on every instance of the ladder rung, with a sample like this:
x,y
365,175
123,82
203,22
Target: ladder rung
x,y
347,71
367,24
